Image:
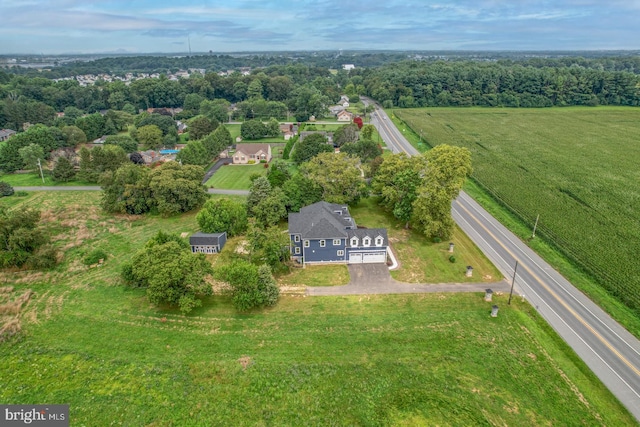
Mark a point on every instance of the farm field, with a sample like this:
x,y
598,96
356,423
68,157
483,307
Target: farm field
x,y
575,167
430,359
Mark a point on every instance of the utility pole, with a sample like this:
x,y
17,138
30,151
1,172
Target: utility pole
x,y
41,175
533,235
513,281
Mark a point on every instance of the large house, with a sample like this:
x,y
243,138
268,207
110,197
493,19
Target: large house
x,y
207,243
324,233
256,152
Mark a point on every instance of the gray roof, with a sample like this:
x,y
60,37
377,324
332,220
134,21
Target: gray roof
x,y
205,239
360,233
6,132
321,220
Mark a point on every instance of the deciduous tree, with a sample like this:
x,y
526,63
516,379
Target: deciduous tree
x,y
253,129
345,134
365,149
223,214
31,155
194,153
171,275
447,169
251,286
201,126
338,175
150,136
309,147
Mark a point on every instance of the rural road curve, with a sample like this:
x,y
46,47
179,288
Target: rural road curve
x,y
609,350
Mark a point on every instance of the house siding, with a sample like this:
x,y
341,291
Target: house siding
x,y
317,254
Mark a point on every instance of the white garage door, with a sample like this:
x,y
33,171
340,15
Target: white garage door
x,y
367,257
371,257
355,258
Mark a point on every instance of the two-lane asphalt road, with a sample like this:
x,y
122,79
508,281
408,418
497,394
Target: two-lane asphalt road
x,y
611,352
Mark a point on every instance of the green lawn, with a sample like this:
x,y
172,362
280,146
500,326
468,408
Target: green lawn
x,y
31,179
575,167
364,360
235,177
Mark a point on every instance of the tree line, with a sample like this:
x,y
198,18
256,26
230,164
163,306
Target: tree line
x,y
539,83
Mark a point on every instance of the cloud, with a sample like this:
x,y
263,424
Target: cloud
x,y
322,24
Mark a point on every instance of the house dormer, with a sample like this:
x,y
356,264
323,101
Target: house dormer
x,y
379,241
366,241
354,241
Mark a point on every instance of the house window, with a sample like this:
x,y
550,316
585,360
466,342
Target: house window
x,y
322,243
354,241
296,238
366,241
243,158
262,156
297,251
336,242
306,243
236,158
251,156
379,241
340,253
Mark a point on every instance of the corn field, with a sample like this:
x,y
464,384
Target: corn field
x,y
578,168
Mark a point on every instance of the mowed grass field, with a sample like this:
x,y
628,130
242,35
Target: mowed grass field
x,y
430,359
235,177
578,168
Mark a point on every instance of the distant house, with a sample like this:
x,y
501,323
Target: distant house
x,y
207,243
335,109
256,152
165,111
348,67
288,135
100,140
344,116
6,134
286,127
182,127
324,233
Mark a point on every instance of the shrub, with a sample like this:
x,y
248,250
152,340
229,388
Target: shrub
x,y
266,165
263,161
94,257
452,259
437,239
251,162
5,189
44,259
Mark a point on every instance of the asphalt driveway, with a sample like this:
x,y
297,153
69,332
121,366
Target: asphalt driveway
x,y
376,279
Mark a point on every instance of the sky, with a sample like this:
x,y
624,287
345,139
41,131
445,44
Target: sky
x,y
145,26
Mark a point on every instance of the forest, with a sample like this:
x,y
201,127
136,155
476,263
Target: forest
x,y
307,89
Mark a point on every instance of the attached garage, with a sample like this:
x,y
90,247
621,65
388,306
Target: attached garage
x,y
368,257
355,258
371,257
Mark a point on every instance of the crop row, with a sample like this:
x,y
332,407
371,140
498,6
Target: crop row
x,y
576,168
